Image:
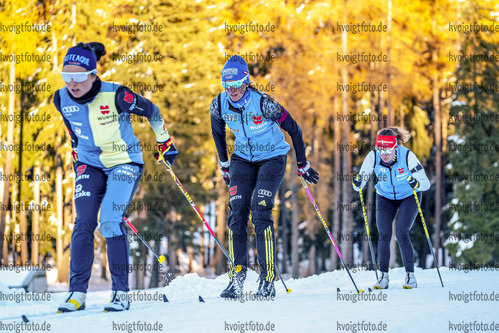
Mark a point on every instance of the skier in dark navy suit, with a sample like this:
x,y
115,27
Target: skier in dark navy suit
x,y
256,168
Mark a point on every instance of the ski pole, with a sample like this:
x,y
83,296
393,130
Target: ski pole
x,y
276,269
161,259
328,232
186,195
373,257
427,236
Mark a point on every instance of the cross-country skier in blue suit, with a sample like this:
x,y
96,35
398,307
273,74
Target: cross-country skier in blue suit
x,y
256,168
108,165
399,172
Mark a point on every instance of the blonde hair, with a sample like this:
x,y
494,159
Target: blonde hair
x,y
402,134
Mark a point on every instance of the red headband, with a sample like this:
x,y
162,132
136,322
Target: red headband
x,y
386,141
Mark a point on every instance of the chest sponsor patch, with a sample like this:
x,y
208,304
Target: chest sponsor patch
x,y
104,109
257,120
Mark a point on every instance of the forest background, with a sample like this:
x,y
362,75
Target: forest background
x,y
343,69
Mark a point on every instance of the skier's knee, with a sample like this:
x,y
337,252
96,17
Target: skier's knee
x,y
110,229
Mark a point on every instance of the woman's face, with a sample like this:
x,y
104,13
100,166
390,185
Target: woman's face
x,y
236,94
78,89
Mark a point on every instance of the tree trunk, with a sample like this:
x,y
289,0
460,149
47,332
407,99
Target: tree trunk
x,y
370,204
60,225
284,226
311,260
336,184
295,219
23,226
154,283
220,259
347,244
103,253
35,223
391,115
438,156
8,165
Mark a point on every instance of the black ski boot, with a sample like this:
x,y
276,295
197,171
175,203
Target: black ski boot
x,y
265,288
235,287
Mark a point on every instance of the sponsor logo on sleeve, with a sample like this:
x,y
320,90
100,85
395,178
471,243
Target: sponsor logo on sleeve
x,y
262,192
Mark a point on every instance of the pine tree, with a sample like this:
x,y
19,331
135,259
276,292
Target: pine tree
x,y
473,151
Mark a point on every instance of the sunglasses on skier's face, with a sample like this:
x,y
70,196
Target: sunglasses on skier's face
x,y
385,151
234,84
77,77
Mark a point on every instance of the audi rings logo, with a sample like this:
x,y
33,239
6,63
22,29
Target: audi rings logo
x,y
70,109
381,169
266,193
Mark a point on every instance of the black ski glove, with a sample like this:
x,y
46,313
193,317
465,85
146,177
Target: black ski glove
x,y
413,182
309,174
357,181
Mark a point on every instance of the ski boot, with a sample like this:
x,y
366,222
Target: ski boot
x,y
382,282
74,302
119,301
410,281
235,287
265,288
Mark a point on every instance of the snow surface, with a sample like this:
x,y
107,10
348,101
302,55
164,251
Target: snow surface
x,y
313,305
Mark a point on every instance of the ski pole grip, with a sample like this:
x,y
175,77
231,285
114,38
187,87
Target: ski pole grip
x,y
131,226
303,181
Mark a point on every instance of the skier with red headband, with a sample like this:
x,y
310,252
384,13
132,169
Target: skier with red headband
x,y
399,172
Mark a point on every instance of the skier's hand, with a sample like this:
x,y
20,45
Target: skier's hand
x,y
413,182
357,182
309,174
166,152
226,175
225,171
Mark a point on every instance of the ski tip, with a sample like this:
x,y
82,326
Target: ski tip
x,y
370,289
105,311
25,319
288,291
360,291
161,259
201,299
338,290
59,312
164,298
